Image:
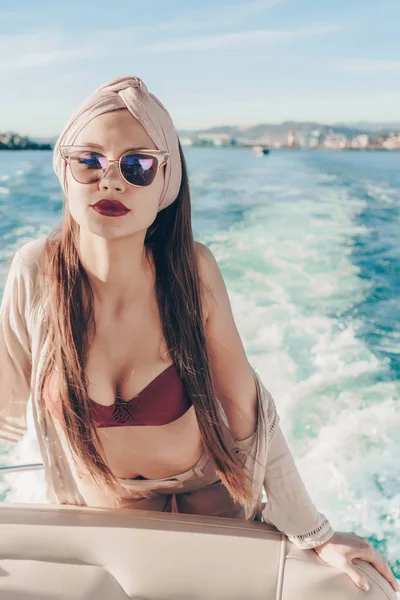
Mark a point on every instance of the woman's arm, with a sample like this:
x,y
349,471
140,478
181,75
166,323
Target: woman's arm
x,y
15,352
232,374
289,505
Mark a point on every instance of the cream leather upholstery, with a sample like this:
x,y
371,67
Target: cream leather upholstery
x,y
50,552
21,579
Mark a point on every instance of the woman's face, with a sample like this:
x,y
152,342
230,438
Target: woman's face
x,y
114,133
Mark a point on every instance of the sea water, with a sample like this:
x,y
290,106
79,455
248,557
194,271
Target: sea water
x,y
308,244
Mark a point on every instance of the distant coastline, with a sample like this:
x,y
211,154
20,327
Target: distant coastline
x,y
286,135
299,135
12,141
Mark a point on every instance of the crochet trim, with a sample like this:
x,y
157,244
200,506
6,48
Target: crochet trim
x,y
274,420
310,533
273,423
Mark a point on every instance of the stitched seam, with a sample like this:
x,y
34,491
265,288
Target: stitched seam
x,y
281,569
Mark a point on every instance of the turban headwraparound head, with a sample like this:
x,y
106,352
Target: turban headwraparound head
x,y
131,93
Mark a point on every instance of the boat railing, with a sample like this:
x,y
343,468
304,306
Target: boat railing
x,y
20,468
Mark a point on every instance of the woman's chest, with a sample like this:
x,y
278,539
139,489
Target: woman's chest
x,y
130,373
125,355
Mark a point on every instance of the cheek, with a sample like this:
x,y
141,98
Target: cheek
x,y
159,185
147,200
78,200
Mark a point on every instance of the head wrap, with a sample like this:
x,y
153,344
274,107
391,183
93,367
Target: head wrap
x,y
131,93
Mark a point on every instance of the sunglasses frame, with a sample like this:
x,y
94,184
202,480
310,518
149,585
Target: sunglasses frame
x,y
160,155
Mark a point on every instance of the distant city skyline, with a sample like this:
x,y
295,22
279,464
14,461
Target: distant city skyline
x,y
232,63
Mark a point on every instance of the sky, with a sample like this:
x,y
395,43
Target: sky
x,y
225,62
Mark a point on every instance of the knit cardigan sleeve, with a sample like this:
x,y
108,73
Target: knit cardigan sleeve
x,y
289,506
15,350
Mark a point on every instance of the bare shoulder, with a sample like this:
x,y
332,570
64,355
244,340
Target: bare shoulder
x,y
206,259
210,276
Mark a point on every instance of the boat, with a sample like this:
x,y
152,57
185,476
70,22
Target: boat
x,y
60,552
260,150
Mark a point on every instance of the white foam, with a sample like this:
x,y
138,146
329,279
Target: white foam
x,y
293,286
293,279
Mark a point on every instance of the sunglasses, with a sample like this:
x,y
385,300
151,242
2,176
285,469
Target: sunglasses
x,y
137,167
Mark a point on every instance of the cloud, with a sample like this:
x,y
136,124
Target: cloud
x,y
227,39
37,50
251,8
15,16
44,48
219,16
368,65
38,59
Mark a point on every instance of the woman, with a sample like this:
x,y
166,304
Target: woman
x,y
119,326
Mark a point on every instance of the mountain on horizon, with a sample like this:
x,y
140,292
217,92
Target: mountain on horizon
x,y
279,130
260,130
373,127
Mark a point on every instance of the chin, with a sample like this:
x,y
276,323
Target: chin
x,y
108,231
111,229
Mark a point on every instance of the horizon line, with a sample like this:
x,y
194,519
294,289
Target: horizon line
x,y
256,124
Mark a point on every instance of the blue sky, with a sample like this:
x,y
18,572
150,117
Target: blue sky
x,y
212,62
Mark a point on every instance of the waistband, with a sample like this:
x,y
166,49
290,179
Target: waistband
x,y
174,481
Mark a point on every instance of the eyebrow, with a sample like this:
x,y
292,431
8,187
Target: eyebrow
x,y
100,147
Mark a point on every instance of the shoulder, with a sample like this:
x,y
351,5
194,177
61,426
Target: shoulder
x,y
214,289
22,289
30,252
24,264
207,263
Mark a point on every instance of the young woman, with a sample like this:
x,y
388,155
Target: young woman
x,y
120,329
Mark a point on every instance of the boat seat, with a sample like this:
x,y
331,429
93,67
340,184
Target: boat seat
x,y
43,580
87,553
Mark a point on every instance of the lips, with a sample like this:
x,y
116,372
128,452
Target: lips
x,y
110,208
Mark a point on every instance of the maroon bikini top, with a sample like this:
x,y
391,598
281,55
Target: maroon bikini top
x,y
162,401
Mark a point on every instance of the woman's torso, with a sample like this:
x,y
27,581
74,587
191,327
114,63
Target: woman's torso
x,y
126,355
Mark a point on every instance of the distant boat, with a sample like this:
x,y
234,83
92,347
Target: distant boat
x,y
260,151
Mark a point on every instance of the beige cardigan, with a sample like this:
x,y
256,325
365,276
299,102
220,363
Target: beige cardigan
x,y
24,344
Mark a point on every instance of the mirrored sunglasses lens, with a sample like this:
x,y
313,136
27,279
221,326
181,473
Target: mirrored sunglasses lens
x,y
139,169
87,166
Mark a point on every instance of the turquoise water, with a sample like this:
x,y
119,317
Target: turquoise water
x,y
308,246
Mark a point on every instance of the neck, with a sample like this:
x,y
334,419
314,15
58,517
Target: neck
x,y
120,271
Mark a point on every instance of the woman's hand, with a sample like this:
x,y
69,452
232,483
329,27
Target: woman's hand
x,y
343,547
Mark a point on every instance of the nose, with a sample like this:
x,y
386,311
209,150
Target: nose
x,y
112,179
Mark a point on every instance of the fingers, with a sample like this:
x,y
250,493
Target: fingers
x,y
385,570
382,567
369,554
359,578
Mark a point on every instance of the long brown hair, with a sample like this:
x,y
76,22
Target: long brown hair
x,y
178,289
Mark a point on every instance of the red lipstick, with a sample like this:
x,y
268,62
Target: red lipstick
x,y
110,208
